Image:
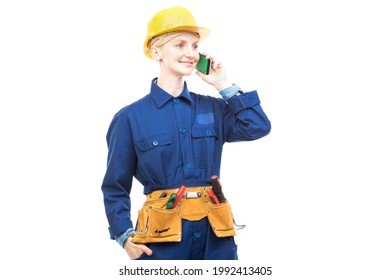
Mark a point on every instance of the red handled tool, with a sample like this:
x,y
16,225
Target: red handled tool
x,y
214,199
179,194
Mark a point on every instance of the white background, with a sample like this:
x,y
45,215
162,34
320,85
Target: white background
x,y
313,193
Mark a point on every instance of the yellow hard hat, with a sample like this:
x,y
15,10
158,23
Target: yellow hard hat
x,y
172,19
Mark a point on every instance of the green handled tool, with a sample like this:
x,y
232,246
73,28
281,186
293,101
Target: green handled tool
x,y
171,201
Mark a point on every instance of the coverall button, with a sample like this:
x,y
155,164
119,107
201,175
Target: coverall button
x,y
196,234
208,132
188,165
155,143
182,130
176,101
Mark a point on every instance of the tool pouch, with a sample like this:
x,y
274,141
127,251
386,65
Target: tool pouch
x,y
157,224
221,219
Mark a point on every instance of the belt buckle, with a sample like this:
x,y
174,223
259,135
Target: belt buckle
x,y
189,195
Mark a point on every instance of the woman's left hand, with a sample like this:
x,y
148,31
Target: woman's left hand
x,y
217,74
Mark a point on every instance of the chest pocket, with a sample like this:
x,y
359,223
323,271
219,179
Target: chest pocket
x,y
156,156
154,142
204,143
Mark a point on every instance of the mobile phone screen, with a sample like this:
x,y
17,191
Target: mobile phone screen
x,y
203,64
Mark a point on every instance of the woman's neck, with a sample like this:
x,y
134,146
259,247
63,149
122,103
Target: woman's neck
x,y
173,85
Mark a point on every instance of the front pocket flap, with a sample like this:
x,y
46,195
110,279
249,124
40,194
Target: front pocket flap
x,y
155,141
204,132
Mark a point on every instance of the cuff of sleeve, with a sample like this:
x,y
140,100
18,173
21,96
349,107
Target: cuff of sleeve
x,y
123,237
229,92
244,101
119,227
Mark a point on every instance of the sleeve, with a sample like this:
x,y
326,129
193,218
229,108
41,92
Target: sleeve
x,y
117,182
244,118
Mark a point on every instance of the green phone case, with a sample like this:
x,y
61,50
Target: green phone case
x,y
203,64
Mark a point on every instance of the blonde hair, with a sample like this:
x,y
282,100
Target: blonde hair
x,y
162,39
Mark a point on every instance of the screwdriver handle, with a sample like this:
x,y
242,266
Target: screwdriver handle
x,y
214,199
179,194
171,201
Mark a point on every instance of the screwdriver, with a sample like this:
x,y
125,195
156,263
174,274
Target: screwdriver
x,y
213,197
171,201
179,193
175,198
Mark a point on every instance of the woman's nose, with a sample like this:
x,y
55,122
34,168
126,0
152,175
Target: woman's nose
x,y
190,52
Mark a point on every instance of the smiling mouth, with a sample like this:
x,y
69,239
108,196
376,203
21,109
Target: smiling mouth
x,y
189,63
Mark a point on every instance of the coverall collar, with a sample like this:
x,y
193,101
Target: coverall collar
x,y
161,97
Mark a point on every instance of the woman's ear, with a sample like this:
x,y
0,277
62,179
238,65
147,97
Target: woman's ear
x,y
156,53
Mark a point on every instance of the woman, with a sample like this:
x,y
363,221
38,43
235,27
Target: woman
x,y
172,140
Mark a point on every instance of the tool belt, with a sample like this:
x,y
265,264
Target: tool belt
x,y
158,224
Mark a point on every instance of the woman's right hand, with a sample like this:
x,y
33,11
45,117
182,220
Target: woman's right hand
x,y
135,250
217,75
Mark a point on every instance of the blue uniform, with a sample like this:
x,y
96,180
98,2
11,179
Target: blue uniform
x,y
165,142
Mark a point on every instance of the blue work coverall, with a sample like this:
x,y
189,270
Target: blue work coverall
x,y
165,142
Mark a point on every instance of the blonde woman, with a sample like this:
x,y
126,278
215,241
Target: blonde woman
x,y
171,142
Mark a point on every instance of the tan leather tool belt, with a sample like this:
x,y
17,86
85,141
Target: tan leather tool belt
x,y
158,224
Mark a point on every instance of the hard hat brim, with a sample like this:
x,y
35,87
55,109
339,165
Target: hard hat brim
x,y
202,31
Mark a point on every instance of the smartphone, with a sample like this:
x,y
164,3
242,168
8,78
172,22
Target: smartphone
x,y
203,64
